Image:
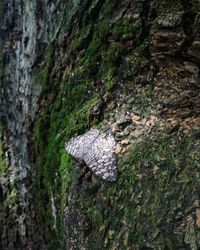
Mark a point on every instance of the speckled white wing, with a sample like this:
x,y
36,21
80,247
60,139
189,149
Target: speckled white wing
x,y
101,157
79,145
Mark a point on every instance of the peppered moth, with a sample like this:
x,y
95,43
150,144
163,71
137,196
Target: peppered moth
x,y
97,151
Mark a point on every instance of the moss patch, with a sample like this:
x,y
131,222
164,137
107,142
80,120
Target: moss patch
x,y
66,116
105,52
68,100
44,73
155,182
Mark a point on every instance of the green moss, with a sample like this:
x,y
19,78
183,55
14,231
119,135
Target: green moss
x,y
132,61
100,30
108,9
80,39
44,73
130,211
61,119
66,171
125,27
67,114
109,79
172,3
11,199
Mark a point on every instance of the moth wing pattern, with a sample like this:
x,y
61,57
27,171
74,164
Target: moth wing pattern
x,y
101,157
78,146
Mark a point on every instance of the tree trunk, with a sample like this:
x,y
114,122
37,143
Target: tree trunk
x,y
132,66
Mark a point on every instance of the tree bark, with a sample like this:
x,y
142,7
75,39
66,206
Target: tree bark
x,y
132,66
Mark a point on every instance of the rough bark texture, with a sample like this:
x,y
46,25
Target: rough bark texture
x,y
69,66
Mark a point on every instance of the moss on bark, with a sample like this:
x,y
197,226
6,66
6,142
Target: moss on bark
x,y
121,51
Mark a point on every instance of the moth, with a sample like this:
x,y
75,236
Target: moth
x,y
97,151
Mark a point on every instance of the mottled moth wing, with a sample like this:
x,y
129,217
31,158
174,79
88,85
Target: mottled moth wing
x,y
79,145
101,157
